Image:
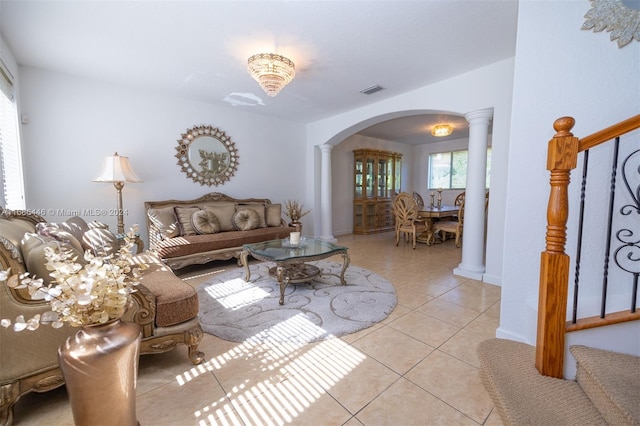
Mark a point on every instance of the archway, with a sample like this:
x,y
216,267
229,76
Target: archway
x,y
339,165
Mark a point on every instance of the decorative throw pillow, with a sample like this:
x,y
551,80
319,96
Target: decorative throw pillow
x,y
273,213
44,228
98,224
66,237
183,214
76,226
205,222
165,220
69,231
32,247
224,213
101,242
246,220
258,208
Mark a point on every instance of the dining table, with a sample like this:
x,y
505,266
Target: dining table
x,y
429,213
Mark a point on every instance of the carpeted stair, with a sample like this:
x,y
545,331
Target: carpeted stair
x,y
606,389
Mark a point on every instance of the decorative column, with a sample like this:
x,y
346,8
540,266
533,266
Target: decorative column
x,y
326,225
472,265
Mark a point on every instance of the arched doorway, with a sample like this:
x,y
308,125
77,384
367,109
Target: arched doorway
x,y
339,166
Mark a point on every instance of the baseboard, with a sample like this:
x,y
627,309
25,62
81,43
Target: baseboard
x,y
492,279
503,334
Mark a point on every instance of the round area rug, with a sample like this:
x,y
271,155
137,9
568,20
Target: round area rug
x,y
240,311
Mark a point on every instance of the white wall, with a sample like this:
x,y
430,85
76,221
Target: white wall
x,y
559,70
74,123
487,87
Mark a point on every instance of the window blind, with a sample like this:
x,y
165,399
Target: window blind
x,y
10,155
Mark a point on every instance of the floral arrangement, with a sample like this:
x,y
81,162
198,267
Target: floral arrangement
x,y
80,294
294,211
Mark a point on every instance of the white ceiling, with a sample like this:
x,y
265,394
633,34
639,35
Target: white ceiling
x,y
199,49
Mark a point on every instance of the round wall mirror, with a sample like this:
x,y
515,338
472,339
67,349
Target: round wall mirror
x,y
207,155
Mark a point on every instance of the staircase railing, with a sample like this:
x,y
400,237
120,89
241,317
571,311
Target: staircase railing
x,y
554,288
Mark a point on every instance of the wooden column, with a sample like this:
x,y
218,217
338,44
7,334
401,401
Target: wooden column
x,y
554,263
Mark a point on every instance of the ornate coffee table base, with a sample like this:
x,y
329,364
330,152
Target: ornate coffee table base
x,y
294,271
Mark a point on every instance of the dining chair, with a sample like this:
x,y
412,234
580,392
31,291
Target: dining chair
x,y
419,200
450,226
406,209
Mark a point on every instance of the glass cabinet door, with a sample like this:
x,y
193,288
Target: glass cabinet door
x,y
359,178
371,218
382,178
398,174
358,215
390,187
370,176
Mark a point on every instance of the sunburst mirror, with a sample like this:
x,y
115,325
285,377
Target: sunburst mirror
x,y
621,18
207,155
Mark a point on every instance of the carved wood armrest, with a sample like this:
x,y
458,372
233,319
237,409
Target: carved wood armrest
x,y
143,310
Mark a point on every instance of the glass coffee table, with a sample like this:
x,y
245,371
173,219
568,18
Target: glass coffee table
x,y
291,260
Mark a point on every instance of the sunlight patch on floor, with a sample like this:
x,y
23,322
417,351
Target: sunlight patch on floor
x,y
298,327
310,374
236,293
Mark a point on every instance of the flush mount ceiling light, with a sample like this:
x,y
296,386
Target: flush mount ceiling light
x,y
271,71
440,130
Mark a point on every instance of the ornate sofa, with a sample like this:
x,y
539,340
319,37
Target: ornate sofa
x,y
164,306
212,227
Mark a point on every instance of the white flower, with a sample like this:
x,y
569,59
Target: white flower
x,y
4,275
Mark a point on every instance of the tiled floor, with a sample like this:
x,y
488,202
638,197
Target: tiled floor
x,y
418,367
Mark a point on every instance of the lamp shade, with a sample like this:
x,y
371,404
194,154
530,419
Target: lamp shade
x,y
117,169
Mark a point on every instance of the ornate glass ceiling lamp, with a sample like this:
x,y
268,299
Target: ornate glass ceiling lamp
x,y
271,71
440,130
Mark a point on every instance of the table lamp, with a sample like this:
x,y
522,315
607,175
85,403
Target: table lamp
x,y
117,169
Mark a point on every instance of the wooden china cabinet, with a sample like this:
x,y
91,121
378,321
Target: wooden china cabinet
x,y
376,181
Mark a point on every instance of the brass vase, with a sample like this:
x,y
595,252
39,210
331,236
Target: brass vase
x,y
100,367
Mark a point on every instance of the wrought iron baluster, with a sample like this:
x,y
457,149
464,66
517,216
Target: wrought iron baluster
x,y
627,256
612,193
576,285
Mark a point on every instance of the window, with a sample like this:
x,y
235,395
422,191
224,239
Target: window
x,y
10,156
448,170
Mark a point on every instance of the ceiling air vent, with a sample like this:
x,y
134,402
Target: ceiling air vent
x,y
371,90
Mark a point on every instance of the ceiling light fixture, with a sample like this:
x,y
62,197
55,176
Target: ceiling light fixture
x,y
440,130
271,71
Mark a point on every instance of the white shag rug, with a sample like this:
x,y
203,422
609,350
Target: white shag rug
x,y
240,311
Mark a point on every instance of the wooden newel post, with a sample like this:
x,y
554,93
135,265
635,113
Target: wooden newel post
x,y
554,263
